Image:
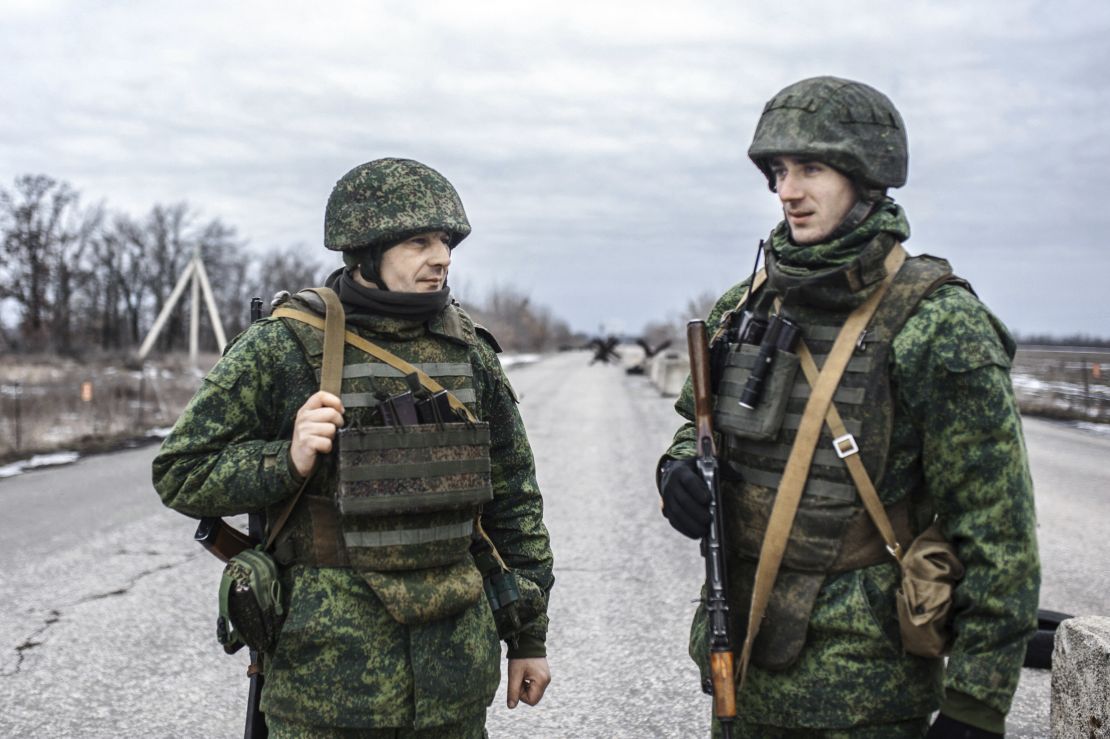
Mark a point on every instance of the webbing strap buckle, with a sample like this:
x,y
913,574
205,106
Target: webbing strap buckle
x,y
845,446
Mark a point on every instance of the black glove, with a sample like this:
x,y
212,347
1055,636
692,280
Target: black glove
x,y
946,727
685,498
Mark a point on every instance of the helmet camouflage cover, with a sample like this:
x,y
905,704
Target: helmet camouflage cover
x,y
848,125
384,202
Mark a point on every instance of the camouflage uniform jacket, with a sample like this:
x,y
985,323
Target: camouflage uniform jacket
x,y
341,660
957,429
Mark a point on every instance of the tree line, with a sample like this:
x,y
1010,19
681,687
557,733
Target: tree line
x,y
79,279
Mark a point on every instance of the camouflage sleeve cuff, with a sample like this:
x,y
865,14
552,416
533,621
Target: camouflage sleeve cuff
x,y
275,455
972,712
289,466
524,646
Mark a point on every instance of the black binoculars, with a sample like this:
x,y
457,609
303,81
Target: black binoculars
x,y
773,334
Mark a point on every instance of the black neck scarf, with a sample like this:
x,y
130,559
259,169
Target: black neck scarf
x,y
358,298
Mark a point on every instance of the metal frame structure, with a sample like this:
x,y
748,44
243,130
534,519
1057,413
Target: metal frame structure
x,y
194,273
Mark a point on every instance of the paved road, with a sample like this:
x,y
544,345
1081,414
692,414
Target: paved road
x,y
107,625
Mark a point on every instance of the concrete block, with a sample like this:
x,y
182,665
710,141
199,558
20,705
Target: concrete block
x,y
669,371
1081,679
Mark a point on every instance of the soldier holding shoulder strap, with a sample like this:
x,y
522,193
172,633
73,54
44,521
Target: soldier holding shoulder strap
x,y
417,479
921,418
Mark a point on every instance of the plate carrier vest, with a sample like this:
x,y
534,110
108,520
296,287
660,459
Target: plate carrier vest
x,y
406,498
832,531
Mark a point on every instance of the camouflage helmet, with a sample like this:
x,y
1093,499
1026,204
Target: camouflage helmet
x,y
386,201
848,125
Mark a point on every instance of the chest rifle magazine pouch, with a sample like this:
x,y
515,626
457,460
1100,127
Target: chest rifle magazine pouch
x,y
763,422
930,571
407,499
250,602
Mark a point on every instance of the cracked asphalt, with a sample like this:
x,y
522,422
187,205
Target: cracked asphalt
x,y
107,627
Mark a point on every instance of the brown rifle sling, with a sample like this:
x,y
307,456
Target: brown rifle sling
x,y
849,451
794,477
331,380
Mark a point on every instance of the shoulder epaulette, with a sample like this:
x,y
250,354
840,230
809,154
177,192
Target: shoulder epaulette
x,y
489,337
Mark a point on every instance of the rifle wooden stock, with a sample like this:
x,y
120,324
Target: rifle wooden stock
x,y
721,672
698,345
221,538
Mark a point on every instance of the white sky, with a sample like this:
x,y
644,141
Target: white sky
x,y
599,148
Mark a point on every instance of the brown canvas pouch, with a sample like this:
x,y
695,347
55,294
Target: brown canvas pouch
x,y
930,571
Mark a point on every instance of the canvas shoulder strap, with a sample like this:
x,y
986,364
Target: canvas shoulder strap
x,y
331,380
373,350
794,477
848,450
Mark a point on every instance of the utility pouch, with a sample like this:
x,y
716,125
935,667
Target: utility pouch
x,y
413,469
250,603
930,571
764,421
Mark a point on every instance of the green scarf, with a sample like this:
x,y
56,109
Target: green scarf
x,y
837,274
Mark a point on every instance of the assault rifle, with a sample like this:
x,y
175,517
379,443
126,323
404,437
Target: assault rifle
x,y
721,683
225,541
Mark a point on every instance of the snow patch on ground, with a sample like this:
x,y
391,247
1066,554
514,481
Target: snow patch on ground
x,y
1030,385
1096,428
39,460
515,360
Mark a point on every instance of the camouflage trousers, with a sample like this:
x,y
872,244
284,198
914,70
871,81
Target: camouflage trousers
x,y
471,728
912,729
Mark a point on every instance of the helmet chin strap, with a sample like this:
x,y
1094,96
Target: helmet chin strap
x,y
857,215
368,268
366,261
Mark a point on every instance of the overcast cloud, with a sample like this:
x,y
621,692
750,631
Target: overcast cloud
x,y
599,148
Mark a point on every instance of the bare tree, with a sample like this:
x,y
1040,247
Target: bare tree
x,y
120,287
71,277
39,217
699,307
517,324
673,327
291,268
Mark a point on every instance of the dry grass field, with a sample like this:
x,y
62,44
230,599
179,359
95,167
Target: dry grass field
x,y
52,404
56,404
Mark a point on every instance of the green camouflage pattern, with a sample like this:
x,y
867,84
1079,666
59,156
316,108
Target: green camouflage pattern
x,y
912,729
384,202
847,124
341,658
957,440
471,728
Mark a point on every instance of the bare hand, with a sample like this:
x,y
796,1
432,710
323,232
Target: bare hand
x,y
314,429
528,679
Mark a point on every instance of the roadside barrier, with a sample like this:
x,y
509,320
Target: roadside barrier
x,y
668,372
1081,679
